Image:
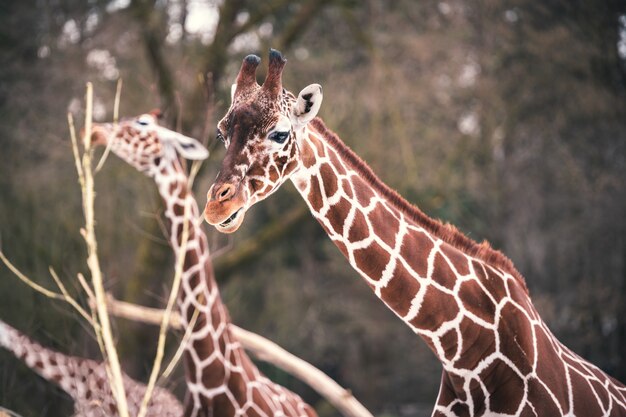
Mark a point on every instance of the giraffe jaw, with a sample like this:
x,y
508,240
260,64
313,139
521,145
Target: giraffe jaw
x,y
232,223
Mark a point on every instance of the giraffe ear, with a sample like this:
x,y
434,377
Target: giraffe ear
x,y
233,89
187,147
307,105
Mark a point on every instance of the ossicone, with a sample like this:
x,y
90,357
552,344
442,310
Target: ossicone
x,y
273,84
247,73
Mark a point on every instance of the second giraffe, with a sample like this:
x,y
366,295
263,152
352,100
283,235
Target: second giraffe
x,y
222,381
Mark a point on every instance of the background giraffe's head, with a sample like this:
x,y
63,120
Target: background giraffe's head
x,y
144,144
260,131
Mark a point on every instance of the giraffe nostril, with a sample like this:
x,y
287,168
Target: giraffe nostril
x,y
225,192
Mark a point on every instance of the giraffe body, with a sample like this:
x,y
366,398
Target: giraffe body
x,y
85,380
464,299
221,378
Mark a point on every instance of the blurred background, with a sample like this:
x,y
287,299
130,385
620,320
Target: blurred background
x,y
506,118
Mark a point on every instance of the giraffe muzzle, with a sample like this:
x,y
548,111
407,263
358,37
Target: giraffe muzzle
x,y
225,208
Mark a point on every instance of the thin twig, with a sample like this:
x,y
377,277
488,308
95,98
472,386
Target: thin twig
x,y
116,104
146,234
88,123
104,156
99,340
92,299
64,296
179,112
157,218
79,168
181,347
216,253
70,299
86,287
116,110
28,281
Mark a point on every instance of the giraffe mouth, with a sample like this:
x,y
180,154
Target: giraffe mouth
x,y
232,223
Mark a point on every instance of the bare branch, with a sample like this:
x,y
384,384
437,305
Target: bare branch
x,y
181,347
86,287
116,111
79,168
28,281
65,296
71,299
104,332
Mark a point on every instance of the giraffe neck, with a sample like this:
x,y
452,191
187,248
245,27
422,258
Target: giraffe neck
x,y
222,381
198,284
424,271
199,296
51,365
84,380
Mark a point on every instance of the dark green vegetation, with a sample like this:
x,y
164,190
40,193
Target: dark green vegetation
x,y
507,119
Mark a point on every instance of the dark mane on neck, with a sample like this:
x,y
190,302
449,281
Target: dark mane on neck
x,y
444,231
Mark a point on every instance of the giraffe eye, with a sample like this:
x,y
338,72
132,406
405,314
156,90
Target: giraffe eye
x,y
279,137
142,122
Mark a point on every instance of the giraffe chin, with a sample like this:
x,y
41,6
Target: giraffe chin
x,y
232,223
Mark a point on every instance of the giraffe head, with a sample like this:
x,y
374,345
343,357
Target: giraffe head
x,y
261,131
144,144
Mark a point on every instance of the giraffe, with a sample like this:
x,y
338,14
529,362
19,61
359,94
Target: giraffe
x,y
222,381
466,300
85,380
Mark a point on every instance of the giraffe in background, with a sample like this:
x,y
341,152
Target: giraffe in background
x,y
465,299
85,380
221,378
